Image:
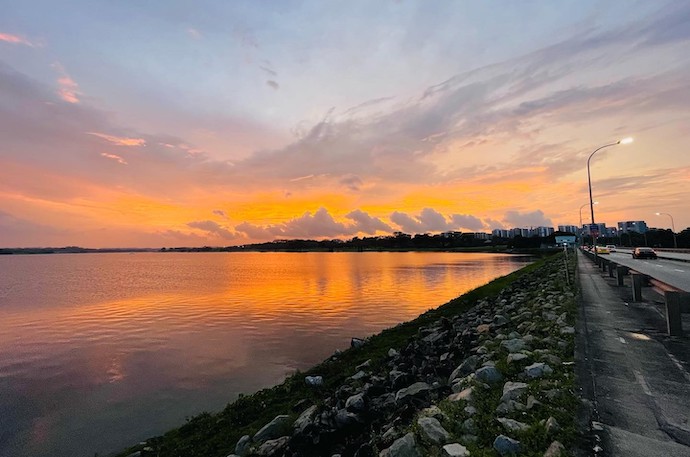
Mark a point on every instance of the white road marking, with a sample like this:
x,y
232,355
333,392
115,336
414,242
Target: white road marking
x,y
642,382
679,365
622,340
676,269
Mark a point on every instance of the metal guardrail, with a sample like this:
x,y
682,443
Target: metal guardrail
x,y
677,300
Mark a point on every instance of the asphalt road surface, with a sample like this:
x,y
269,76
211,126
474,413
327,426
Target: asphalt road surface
x,y
671,272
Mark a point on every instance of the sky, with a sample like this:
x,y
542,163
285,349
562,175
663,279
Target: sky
x,y
158,124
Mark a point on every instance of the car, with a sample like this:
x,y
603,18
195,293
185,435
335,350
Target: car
x,y
644,253
611,247
602,250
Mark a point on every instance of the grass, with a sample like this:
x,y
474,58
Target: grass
x,y
216,434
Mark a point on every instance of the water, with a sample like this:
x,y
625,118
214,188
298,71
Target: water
x,y
100,351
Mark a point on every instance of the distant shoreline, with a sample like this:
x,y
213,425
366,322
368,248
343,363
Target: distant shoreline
x,y
39,251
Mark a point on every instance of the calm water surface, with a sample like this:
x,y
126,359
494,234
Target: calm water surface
x,y
99,351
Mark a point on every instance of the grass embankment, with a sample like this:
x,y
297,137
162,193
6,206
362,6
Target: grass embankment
x,y
216,434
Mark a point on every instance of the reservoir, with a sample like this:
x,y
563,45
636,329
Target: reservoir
x,y
100,351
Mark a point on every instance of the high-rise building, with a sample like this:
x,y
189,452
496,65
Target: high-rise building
x,y
632,226
568,228
500,233
543,231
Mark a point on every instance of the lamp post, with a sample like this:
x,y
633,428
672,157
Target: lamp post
x,y
589,184
586,204
582,226
673,228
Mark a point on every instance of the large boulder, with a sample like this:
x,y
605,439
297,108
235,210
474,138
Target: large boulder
x,y
513,390
537,370
402,447
416,389
432,430
455,450
489,375
274,429
273,447
506,445
242,446
466,367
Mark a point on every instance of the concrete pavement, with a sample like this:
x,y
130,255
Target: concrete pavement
x,y
636,377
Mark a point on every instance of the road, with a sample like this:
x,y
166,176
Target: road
x,y
671,272
682,256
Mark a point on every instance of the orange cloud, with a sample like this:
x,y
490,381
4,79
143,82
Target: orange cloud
x,y
120,141
14,39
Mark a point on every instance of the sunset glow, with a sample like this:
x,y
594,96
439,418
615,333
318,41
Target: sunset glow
x,y
226,123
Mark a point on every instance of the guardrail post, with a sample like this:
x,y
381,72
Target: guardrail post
x,y
620,272
612,267
675,302
636,286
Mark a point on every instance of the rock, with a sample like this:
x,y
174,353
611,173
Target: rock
x,y
302,421
510,406
481,350
516,357
468,426
356,342
556,449
500,320
514,345
344,418
470,410
466,367
483,328
392,353
273,429
363,365
398,378
390,435
414,390
537,370
513,390
552,359
272,447
314,380
432,430
242,446
355,403
532,402
568,331
461,384
489,375
455,450
465,395
512,425
552,425
506,445
402,447
359,375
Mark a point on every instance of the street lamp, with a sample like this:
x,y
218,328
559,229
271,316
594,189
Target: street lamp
x,y
586,204
673,228
589,184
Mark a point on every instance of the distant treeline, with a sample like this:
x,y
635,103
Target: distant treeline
x,y
397,242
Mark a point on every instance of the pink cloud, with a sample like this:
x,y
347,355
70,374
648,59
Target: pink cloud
x,y
14,39
114,157
120,141
68,89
